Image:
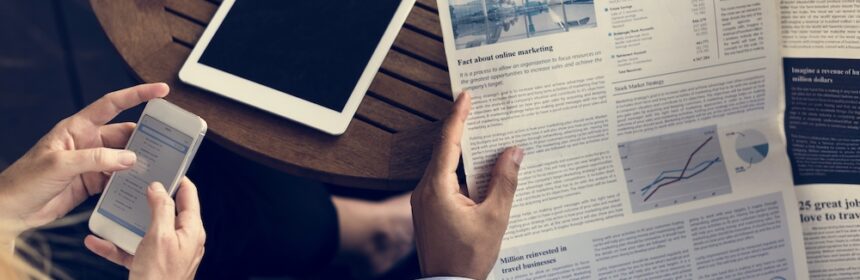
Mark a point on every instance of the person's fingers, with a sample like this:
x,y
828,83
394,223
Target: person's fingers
x,y
503,182
188,222
116,135
72,163
446,155
94,182
188,206
108,250
110,105
162,207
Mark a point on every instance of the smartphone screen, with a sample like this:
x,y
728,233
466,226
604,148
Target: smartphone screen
x,y
160,150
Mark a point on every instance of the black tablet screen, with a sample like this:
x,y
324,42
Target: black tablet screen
x,y
314,50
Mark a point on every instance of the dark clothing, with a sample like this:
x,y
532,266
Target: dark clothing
x,y
260,222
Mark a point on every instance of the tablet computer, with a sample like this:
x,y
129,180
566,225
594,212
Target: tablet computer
x,y
309,61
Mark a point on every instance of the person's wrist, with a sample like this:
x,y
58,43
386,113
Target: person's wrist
x,y
11,225
9,229
7,245
6,211
451,271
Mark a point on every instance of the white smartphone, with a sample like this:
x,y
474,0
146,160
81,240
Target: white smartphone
x,y
165,141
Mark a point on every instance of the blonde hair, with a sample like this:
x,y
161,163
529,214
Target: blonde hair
x,y
14,267
33,261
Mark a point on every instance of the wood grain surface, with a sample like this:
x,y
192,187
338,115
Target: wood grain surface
x,y
388,143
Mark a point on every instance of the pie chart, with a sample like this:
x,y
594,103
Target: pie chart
x,y
751,146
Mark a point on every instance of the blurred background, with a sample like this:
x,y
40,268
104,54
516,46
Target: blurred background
x,y
54,59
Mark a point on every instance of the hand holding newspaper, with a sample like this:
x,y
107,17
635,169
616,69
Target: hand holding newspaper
x,y
658,137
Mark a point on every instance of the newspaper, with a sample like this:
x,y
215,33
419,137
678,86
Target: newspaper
x,y
821,48
658,144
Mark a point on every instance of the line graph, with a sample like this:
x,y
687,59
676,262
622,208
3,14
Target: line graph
x,y
683,171
674,168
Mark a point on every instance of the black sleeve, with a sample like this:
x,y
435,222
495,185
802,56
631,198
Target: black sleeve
x,y
261,222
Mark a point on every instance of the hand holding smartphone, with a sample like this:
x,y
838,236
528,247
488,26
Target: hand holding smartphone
x,y
165,141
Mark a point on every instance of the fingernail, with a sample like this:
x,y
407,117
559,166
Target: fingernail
x,y
463,94
155,186
518,155
127,158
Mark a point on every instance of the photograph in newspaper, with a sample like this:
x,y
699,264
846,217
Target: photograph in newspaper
x,y
485,22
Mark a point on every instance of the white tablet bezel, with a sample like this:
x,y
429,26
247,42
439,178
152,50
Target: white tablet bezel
x,y
176,118
283,103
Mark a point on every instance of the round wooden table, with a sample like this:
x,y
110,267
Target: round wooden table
x,y
388,143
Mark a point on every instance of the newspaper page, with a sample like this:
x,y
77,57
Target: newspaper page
x,y
822,86
652,131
